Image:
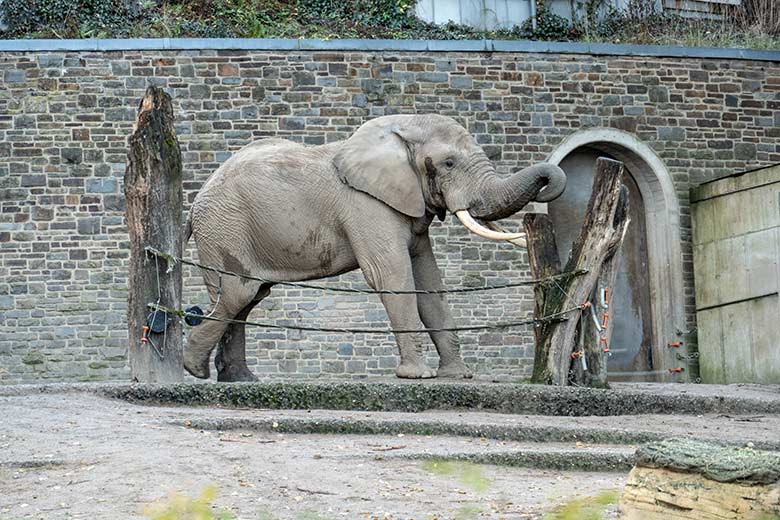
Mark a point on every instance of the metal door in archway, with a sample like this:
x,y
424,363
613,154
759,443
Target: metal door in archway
x,y
664,242
632,337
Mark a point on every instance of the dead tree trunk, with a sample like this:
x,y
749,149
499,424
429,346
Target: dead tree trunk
x,y
153,190
545,262
574,351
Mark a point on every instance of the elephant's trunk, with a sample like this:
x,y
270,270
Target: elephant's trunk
x,y
500,197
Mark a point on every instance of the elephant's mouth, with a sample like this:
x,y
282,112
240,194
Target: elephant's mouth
x,y
434,196
489,229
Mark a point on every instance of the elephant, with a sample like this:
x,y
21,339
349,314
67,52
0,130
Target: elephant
x,y
280,210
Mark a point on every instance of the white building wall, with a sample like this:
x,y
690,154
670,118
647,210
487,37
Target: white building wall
x,y
485,14
494,14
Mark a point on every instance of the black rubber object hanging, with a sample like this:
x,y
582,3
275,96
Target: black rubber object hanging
x,y
157,321
193,321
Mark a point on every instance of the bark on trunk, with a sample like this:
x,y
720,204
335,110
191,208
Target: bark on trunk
x,y
153,191
545,262
560,346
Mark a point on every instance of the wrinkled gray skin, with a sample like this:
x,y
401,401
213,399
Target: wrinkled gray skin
x,y
283,211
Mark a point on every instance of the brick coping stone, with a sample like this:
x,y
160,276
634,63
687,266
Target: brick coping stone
x,y
525,46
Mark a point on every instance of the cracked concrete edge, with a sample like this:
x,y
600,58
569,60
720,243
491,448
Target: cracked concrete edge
x,y
437,428
405,396
564,460
416,397
520,433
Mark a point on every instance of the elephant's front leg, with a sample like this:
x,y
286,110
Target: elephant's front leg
x,y
435,312
402,310
393,271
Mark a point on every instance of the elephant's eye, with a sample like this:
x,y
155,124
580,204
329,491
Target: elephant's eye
x,y
449,163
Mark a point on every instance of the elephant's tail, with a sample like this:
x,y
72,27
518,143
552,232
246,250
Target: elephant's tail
x,y
187,229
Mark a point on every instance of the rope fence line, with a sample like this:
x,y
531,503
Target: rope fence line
x,y
157,253
557,316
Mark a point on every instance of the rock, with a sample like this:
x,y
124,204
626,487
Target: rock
x,y
676,479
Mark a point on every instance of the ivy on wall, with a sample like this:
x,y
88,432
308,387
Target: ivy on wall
x,y
754,24
394,19
66,18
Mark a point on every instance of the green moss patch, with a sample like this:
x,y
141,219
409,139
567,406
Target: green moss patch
x,y
467,473
586,508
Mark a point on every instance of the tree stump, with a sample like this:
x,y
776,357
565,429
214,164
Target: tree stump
x,y
683,479
573,350
153,190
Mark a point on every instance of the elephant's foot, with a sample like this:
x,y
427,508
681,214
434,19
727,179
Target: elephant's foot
x,y
414,371
232,370
196,367
235,374
455,369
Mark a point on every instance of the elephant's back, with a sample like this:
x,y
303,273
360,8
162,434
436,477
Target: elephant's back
x,y
277,205
269,163
278,160
270,145
264,157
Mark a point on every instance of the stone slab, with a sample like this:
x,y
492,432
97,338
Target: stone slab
x,y
682,478
744,465
662,494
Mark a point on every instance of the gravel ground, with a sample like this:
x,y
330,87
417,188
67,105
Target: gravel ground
x,y
81,456
69,453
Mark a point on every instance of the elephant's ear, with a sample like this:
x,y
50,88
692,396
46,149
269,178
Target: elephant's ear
x,y
375,160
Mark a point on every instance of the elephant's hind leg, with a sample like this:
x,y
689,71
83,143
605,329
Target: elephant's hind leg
x,y
201,342
235,295
231,350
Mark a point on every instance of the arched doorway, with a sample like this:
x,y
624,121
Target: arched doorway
x,y
649,299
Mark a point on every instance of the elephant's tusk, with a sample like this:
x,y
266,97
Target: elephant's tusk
x,y
495,227
477,228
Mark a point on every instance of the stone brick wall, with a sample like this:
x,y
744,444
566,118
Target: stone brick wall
x,y
65,118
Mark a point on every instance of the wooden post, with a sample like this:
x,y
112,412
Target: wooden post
x,y
545,262
596,252
153,190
